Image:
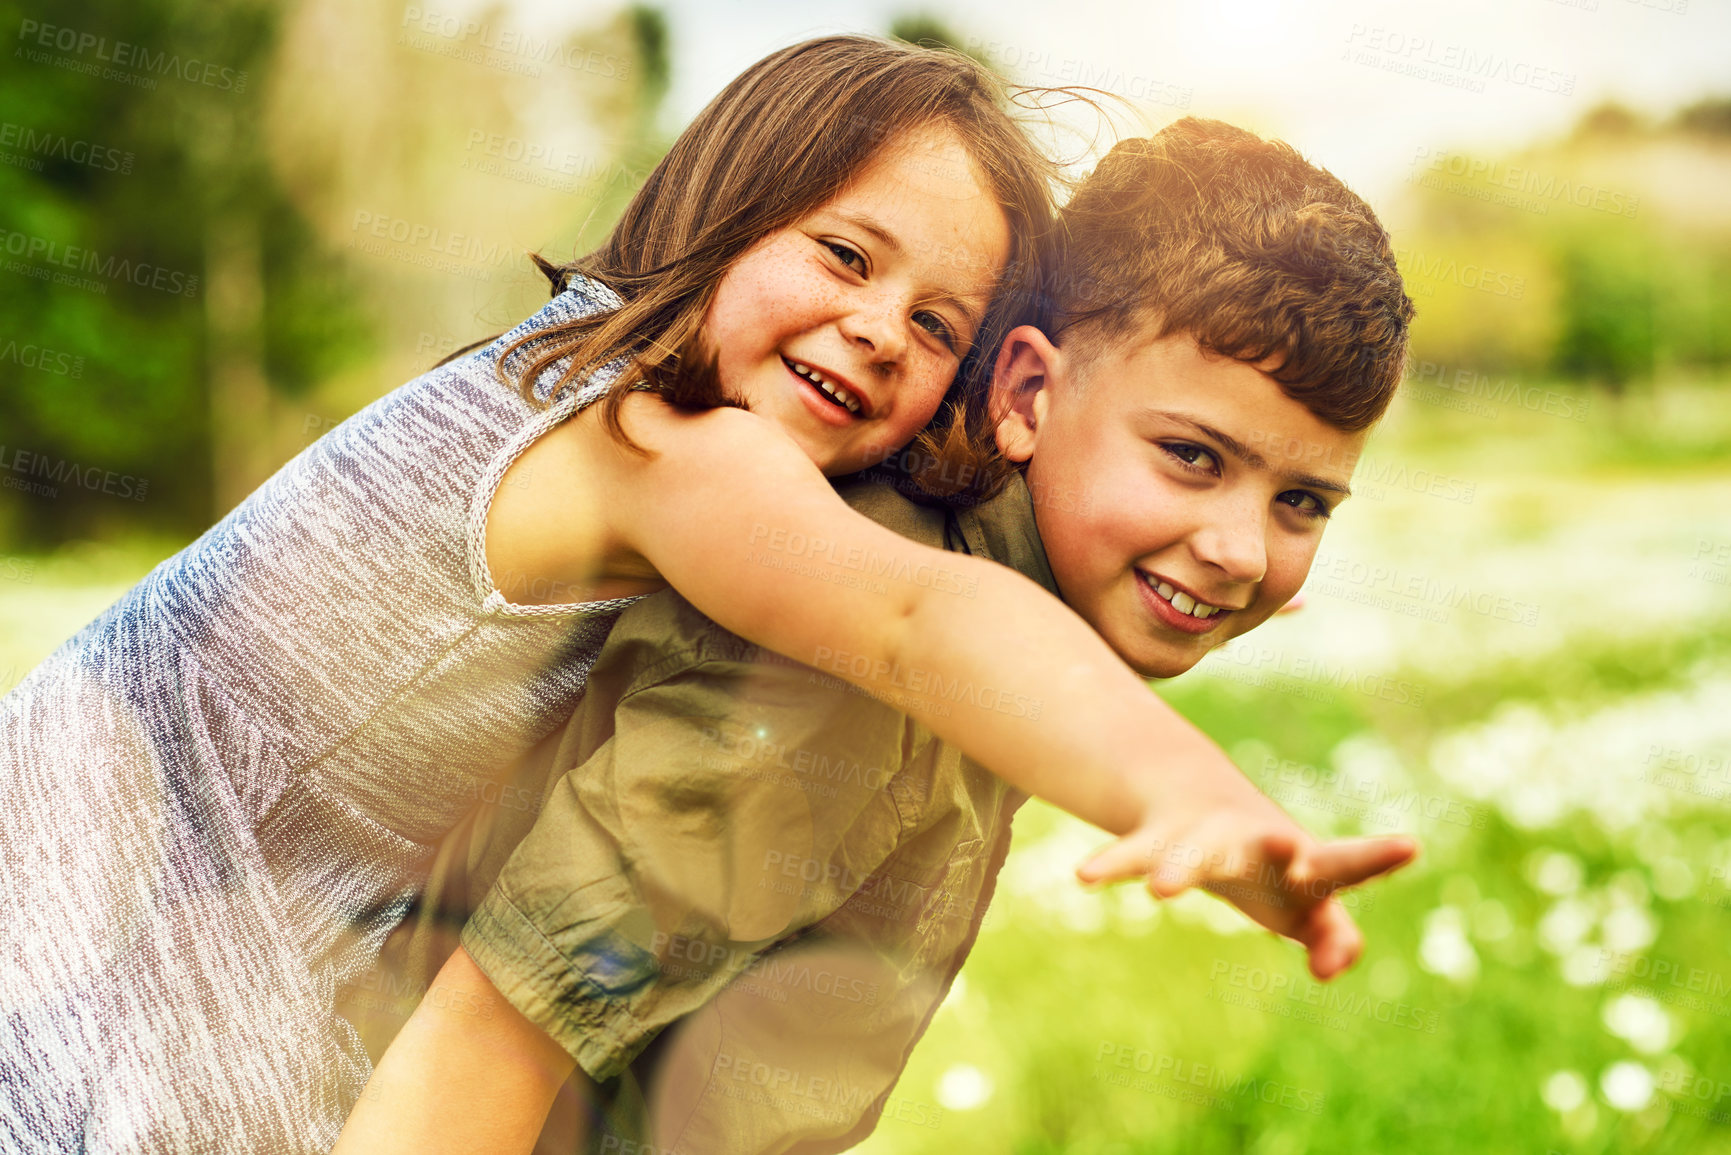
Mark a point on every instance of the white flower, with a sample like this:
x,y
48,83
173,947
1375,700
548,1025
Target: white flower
x,y
1444,949
1638,1019
1629,929
964,1087
1627,1086
1564,1091
1564,926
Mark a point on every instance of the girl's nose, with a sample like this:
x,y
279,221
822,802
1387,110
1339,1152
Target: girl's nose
x,y
875,326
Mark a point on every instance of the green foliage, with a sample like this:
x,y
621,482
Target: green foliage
x,y
106,202
924,28
1601,278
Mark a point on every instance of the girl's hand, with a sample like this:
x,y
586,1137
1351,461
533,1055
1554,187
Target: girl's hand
x,y
1251,853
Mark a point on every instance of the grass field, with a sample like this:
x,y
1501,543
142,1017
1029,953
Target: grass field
x,y
1517,646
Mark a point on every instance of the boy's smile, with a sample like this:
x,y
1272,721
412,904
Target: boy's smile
x,y
1180,495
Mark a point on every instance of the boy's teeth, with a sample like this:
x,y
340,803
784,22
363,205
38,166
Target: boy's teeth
x,y
1184,603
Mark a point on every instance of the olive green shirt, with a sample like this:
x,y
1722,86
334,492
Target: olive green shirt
x,y
747,862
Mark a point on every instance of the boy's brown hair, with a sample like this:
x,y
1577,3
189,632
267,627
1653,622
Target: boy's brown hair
x,y
1210,230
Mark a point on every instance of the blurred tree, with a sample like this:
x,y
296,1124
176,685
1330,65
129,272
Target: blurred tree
x,y
924,28
144,228
1606,304
1615,236
1708,117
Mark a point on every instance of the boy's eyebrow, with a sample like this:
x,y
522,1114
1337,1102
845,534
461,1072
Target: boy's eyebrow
x,y
1248,455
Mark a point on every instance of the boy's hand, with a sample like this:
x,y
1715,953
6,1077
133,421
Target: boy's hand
x,y
1265,865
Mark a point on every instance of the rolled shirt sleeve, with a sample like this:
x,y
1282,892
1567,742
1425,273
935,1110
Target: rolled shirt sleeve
x,y
734,802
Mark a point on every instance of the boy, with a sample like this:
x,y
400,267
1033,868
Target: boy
x,y
743,942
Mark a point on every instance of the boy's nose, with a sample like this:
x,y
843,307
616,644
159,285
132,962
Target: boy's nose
x,y
1234,543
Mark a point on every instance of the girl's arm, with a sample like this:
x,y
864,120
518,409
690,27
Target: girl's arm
x,y
467,1073
732,513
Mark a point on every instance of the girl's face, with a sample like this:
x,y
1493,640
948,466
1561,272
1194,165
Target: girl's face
x,y
847,327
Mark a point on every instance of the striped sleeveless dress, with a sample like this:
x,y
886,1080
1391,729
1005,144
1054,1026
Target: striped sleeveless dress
x,y
219,796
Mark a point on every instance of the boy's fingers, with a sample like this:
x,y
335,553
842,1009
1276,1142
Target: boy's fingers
x,y
1331,939
1124,859
1350,861
1277,853
1172,880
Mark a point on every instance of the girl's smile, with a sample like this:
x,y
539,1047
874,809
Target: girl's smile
x,y
848,326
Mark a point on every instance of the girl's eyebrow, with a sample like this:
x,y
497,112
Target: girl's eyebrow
x,y
875,228
879,231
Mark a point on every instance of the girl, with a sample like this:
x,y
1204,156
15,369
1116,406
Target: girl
x,y
221,794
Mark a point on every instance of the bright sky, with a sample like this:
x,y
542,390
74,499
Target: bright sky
x,y
1331,76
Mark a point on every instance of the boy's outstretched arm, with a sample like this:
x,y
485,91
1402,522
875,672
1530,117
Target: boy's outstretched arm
x,y
735,516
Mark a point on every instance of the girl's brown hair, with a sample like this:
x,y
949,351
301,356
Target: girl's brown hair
x,y
783,139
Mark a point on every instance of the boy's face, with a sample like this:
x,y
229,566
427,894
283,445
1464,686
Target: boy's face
x,y
1165,479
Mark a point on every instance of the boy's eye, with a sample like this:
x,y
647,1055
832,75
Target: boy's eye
x,y
846,255
1305,503
937,327
1192,457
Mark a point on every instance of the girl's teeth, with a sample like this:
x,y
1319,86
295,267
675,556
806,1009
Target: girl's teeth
x,y
1183,602
836,391
1166,591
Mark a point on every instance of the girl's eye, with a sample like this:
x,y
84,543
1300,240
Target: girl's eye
x,y
1307,504
846,255
1191,457
937,327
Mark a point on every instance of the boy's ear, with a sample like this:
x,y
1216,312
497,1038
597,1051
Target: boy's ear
x,y
1022,381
